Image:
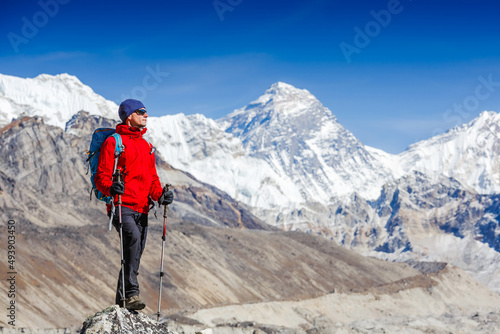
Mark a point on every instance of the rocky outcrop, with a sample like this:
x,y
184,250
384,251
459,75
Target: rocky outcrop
x,y
115,319
84,124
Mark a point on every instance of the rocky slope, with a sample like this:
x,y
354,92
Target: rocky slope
x,y
408,306
414,217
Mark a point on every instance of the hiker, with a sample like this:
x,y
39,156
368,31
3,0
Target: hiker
x,y
140,186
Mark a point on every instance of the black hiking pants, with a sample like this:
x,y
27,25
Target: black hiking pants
x,y
135,229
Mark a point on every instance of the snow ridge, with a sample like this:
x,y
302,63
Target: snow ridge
x,y
470,154
201,147
55,98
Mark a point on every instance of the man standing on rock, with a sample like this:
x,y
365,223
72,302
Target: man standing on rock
x,y
140,186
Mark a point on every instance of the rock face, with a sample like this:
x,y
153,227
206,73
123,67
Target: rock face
x,y
41,168
415,217
115,319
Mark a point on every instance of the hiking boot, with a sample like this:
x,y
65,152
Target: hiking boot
x,y
134,303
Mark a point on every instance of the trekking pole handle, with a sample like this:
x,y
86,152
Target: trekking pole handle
x,y
118,177
167,186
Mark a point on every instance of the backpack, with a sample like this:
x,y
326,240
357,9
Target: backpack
x,y
98,137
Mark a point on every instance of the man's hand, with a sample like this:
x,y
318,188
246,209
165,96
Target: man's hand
x,y
117,188
167,197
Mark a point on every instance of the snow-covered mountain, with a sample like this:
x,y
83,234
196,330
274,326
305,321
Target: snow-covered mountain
x,y
283,149
200,146
470,154
429,219
55,98
298,137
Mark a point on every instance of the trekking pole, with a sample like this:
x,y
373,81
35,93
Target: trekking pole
x,y
117,155
162,253
119,179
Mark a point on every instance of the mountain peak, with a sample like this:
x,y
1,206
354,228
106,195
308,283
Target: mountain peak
x,y
68,80
486,117
54,97
61,77
282,87
296,135
283,91
281,97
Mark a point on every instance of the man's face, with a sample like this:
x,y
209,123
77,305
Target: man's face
x,y
138,118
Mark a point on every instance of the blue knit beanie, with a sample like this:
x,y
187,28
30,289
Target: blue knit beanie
x,y
127,107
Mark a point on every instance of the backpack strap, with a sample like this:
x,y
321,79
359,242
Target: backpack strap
x,y
119,148
119,145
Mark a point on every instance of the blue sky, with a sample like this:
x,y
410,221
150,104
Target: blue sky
x,y
393,72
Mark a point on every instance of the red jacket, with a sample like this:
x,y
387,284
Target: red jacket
x,y
137,162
